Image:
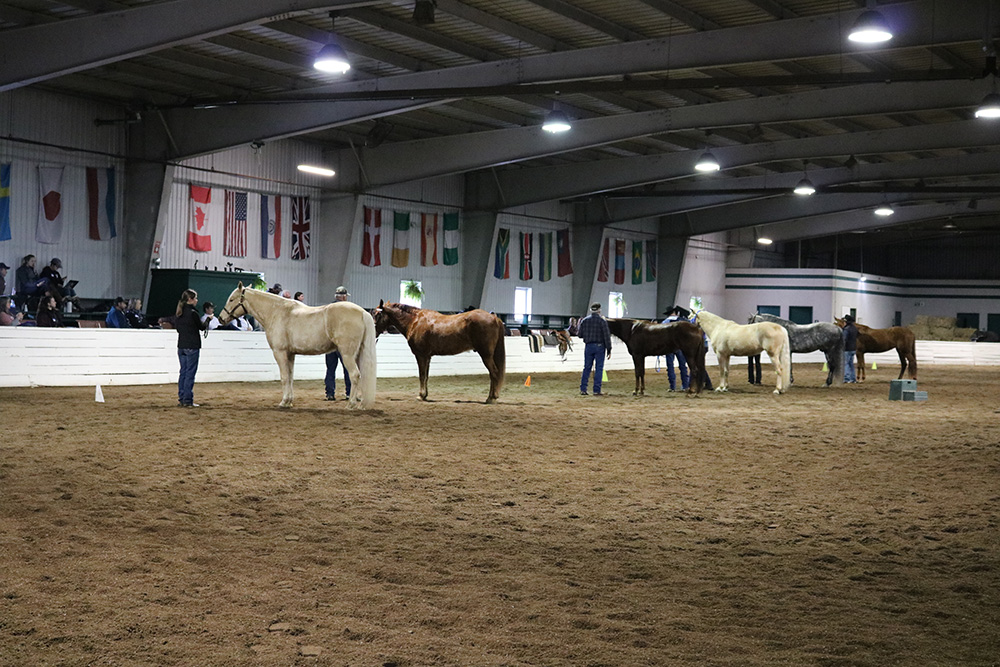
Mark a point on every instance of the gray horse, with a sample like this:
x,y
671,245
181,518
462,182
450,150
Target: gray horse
x,y
825,336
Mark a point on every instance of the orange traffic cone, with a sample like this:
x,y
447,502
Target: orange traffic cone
x,y
527,383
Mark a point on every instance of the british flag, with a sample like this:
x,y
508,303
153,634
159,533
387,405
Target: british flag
x,y
300,227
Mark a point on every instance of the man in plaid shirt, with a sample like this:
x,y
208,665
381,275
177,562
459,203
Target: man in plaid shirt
x,y
595,333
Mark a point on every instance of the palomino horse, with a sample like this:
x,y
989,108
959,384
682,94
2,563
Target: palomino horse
x,y
744,340
882,340
429,332
644,339
825,336
295,328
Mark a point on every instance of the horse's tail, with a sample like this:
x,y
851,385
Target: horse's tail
x,y
699,369
913,356
367,363
500,355
785,360
837,360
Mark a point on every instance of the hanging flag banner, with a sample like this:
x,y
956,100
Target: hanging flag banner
x,y
371,251
101,203
428,239
544,256
525,273
270,226
619,261
49,227
5,202
450,254
604,266
501,259
301,224
636,262
562,250
234,234
401,239
199,236
651,260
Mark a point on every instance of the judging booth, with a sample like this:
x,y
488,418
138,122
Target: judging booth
x,y
166,285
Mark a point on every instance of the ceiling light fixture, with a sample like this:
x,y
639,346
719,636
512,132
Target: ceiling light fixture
x,y
423,11
556,121
313,169
763,240
707,163
885,210
805,188
331,58
870,28
989,107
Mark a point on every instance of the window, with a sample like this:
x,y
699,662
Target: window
x,y
967,321
800,314
616,304
769,310
522,304
411,292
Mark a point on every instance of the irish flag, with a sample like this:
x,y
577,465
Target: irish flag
x,y
401,239
450,254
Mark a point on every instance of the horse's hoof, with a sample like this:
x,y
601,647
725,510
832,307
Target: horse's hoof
x,y
284,406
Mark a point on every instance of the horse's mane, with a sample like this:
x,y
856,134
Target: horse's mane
x,y
407,308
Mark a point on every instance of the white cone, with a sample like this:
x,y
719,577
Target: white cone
x,y
98,394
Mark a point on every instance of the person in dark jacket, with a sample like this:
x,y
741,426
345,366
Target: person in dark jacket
x,y
850,348
48,314
597,336
188,324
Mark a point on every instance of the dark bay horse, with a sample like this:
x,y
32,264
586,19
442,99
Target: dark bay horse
x,y
825,336
429,332
647,339
881,340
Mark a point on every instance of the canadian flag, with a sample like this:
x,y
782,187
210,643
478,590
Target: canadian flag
x,y
199,237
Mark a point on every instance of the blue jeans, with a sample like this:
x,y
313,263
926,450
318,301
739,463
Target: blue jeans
x,y
332,360
185,381
671,376
593,357
849,367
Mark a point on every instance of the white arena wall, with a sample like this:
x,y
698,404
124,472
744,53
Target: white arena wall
x,y
81,357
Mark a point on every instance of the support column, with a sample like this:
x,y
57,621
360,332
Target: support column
x,y
337,228
147,201
477,237
586,246
671,251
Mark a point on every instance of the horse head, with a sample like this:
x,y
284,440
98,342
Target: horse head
x,y
235,302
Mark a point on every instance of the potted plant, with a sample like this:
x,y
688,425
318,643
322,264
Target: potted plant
x,y
620,302
413,290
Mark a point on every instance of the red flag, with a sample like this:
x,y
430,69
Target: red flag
x,y
562,250
370,252
234,236
428,239
602,269
301,222
199,237
50,213
619,261
525,273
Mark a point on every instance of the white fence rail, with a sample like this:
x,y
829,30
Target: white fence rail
x,y
75,357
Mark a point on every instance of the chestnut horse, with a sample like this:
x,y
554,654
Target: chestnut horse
x,y
429,332
882,340
644,339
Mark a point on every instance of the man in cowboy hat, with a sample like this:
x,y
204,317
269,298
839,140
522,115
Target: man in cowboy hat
x,y
333,359
850,348
595,333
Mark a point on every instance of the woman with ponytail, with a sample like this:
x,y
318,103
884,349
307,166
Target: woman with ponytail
x,y
188,325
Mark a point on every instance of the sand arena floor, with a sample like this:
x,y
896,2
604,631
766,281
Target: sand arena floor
x,y
823,527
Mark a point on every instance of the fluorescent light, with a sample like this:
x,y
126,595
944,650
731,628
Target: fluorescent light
x,y
555,122
331,58
707,162
884,210
319,171
805,187
870,28
990,107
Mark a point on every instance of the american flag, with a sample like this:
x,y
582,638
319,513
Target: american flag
x,y
235,234
300,227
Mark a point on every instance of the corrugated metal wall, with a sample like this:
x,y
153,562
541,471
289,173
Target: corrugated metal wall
x,y
640,299
66,126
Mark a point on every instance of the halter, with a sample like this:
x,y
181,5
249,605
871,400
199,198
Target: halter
x,y
232,313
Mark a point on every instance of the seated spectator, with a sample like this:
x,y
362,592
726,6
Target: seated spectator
x,y
116,316
134,315
300,297
49,314
3,278
209,309
57,282
27,282
8,318
286,295
239,324
275,288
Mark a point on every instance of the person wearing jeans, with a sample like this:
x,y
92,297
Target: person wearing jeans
x,y
595,333
333,359
850,348
188,325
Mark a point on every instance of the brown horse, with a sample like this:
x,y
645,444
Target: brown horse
x,y
881,340
646,339
429,332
